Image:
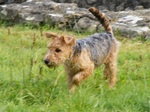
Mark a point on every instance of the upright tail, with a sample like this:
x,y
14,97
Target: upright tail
x,y
102,18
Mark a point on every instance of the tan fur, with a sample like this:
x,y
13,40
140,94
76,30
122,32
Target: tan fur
x,y
102,18
110,70
79,66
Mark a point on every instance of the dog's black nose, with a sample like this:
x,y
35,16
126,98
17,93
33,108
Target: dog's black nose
x,y
46,61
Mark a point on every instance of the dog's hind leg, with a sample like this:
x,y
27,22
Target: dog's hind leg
x,y
110,71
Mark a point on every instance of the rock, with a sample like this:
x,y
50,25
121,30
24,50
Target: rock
x,y
145,3
35,12
147,37
112,5
120,7
56,20
129,20
131,32
128,9
128,26
144,22
91,1
29,18
86,24
7,13
11,1
139,7
70,16
103,8
2,1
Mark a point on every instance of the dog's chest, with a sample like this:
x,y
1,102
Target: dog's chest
x,y
72,67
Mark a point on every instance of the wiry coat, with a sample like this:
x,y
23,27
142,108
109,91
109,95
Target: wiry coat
x,y
99,45
80,57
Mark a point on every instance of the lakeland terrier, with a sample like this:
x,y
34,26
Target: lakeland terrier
x,y
80,57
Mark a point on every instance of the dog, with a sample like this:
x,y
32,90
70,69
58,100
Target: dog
x,y
80,57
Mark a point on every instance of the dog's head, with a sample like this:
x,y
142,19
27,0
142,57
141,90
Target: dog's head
x,y
59,49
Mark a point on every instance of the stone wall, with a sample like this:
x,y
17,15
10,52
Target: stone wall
x,y
70,16
112,5
11,1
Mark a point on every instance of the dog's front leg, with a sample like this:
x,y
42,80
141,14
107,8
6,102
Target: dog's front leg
x,y
81,76
71,85
77,78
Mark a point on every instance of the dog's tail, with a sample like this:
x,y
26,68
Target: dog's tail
x,y
102,18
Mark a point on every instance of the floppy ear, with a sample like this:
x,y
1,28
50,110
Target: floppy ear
x,y
50,35
69,40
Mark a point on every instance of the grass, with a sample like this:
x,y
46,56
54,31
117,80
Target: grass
x,y
27,85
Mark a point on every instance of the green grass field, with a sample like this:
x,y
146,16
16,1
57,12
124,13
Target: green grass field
x,y
27,85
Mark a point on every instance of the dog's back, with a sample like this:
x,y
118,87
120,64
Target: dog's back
x,y
100,44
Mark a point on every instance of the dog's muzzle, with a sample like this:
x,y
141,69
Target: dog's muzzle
x,y
46,61
49,63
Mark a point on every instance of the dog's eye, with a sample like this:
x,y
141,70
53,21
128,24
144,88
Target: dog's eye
x,y
57,50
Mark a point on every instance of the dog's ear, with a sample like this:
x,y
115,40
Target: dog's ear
x,y
50,35
69,40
